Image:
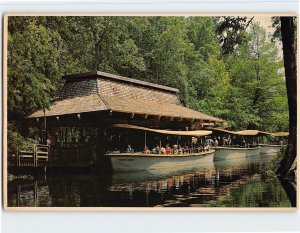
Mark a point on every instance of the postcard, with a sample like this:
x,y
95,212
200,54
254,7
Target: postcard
x,y
138,112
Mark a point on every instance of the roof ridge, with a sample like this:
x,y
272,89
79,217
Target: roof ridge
x,y
104,101
95,74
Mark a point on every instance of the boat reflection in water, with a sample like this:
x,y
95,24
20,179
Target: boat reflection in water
x,y
148,175
232,183
205,187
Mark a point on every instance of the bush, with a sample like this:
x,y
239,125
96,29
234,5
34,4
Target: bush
x,y
16,142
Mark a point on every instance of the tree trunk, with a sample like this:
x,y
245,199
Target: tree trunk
x,y
289,54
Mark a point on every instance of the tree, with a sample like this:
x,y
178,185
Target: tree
x,y
256,72
289,52
231,31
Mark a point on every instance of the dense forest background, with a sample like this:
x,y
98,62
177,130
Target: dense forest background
x,y
228,70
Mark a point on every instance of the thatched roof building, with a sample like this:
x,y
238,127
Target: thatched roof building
x,y
99,92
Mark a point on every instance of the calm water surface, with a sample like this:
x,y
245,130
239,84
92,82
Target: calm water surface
x,y
233,183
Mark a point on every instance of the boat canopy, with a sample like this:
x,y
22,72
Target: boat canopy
x,y
242,132
221,130
251,133
280,134
170,132
264,133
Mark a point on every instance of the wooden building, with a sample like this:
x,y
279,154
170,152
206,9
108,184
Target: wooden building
x,y
97,100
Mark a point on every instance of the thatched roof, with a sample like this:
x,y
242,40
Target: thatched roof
x,y
170,132
97,102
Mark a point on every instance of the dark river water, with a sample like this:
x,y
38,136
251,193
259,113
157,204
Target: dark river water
x,y
232,183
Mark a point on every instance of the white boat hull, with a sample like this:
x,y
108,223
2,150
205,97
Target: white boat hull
x,y
270,149
222,153
166,163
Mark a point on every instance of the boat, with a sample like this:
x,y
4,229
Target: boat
x,y
269,148
222,153
140,161
236,151
273,148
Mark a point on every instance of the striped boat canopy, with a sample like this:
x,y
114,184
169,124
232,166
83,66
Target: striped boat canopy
x,y
170,132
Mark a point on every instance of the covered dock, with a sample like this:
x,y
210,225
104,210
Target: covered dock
x,y
77,121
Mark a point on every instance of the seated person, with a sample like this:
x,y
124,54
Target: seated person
x,y
146,150
168,149
186,149
175,149
156,150
206,147
244,143
225,141
129,149
180,150
201,148
216,143
163,150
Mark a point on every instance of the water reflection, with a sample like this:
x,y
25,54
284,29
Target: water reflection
x,y
232,183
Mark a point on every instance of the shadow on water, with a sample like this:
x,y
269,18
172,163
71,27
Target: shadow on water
x,y
290,188
232,183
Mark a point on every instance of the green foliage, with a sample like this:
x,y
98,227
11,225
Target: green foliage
x,y
256,73
232,32
15,141
257,194
268,170
33,70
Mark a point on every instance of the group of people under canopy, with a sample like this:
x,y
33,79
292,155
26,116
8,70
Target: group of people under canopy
x,y
228,140
197,145
183,142
175,149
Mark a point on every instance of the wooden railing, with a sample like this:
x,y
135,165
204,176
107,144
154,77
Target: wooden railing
x,y
39,153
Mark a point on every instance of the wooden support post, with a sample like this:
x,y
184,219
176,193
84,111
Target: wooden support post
x,y
18,157
146,116
35,193
132,115
34,156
